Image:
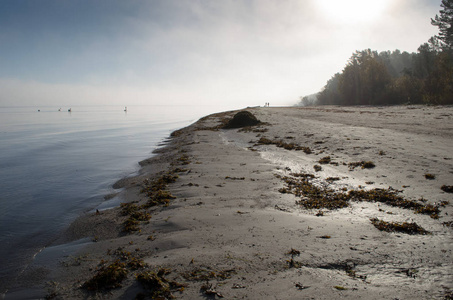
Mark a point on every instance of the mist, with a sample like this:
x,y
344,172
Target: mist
x,y
242,53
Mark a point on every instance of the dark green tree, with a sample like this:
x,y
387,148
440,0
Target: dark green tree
x,y
330,94
405,89
438,86
445,24
350,83
423,62
364,79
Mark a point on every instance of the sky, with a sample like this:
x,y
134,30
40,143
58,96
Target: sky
x,y
172,52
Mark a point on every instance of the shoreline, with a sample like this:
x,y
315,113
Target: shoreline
x,y
231,225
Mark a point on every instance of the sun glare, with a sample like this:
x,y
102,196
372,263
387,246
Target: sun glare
x,y
352,11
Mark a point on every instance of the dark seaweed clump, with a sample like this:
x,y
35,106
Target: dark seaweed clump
x,y
313,197
325,160
107,277
284,145
430,176
158,195
447,188
362,164
292,263
156,190
448,224
405,227
448,295
242,119
136,214
158,285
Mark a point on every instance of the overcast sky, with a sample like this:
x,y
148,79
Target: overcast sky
x,y
235,52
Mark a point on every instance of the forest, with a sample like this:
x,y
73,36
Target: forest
x,y
395,77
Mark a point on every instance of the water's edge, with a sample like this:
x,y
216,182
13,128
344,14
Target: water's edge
x,y
103,198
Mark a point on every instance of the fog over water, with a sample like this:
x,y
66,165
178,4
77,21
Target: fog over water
x,y
244,52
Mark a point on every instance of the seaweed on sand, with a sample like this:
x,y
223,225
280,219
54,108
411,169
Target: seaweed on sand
x,y
326,237
303,175
183,160
430,176
448,224
156,190
284,145
312,196
391,197
319,197
136,214
128,208
346,266
265,141
447,188
293,252
292,263
158,285
234,178
332,179
140,216
404,227
325,160
178,170
206,274
133,262
209,291
255,130
160,197
131,225
160,183
362,164
107,277
157,194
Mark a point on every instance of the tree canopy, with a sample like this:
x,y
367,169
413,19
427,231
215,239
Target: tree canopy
x,y
395,77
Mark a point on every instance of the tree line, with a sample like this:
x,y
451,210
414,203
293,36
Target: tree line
x,y
395,77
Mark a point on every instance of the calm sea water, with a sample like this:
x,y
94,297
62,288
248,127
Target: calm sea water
x,y
55,165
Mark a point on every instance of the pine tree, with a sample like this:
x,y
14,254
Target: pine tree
x,y
445,24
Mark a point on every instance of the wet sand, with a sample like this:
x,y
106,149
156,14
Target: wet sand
x,y
230,231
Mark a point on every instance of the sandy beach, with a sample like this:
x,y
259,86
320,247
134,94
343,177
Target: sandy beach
x,y
225,213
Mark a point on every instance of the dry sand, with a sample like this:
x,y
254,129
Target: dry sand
x,y
229,223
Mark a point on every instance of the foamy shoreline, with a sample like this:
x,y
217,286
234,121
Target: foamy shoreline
x,y
230,219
